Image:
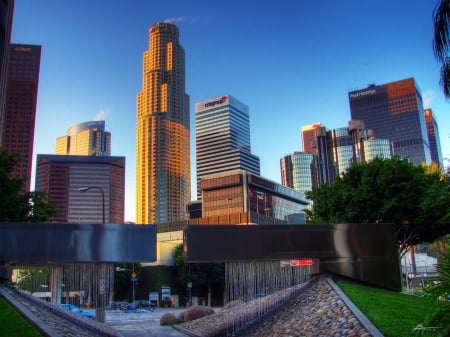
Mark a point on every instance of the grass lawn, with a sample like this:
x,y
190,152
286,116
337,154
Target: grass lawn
x,y
394,314
13,324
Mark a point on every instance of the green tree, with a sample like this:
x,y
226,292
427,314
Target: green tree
x,y
16,205
200,274
441,42
387,190
441,317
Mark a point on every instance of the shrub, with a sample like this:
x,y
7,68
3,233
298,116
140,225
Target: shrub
x,y
196,312
168,318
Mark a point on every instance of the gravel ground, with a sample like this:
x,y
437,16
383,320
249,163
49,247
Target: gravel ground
x,y
315,310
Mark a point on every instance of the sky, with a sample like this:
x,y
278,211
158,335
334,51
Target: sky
x,y
292,62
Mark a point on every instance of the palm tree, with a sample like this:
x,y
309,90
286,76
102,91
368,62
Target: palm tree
x,y
441,43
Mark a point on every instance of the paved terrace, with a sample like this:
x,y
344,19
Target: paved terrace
x,y
321,309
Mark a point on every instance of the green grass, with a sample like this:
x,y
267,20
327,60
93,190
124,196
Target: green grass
x,y
394,314
12,324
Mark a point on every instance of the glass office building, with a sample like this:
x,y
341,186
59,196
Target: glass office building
x,y
377,148
394,111
85,139
6,18
433,137
61,176
341,150
222,133
299,171
163,167
20,100
240,197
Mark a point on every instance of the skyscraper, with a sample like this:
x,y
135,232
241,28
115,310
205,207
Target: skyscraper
x,y
300,171
6,18
315,140
223,138
433,137
309,137
163,176
85,139
62,176
20,106
394,111
341,149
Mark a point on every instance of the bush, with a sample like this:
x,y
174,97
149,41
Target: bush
x,y
168,318
196,312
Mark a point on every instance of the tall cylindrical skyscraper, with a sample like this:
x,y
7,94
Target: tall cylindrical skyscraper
x,y
163,186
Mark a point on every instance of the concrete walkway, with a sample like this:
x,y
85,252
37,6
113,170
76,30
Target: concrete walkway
x,y
143,323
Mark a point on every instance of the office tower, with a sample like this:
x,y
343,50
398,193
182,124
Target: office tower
x,y
85,139
223,138
433,137
341,150
357,131
20,106
6,18
373,148
300,171
309,137
241,197
394,111
62,177
163,176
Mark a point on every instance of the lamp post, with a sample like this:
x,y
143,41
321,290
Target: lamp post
x,y
87,188
100,312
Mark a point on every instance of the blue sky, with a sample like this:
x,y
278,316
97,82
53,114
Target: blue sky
x,y
292,62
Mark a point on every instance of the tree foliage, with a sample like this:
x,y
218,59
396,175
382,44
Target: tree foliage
x,y
414,198
16,205
200,274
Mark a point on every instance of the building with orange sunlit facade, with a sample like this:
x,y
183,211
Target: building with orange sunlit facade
x,y
19,112
163,176
433,137
85,139
394,111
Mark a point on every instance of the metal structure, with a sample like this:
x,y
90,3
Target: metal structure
x,y
365,252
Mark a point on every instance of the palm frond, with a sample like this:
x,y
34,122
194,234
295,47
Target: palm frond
x,y
441,21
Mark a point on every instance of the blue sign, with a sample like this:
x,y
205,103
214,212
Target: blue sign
x,y
134,279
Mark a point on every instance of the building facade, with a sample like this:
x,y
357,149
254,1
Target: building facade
x,y
222,133
19,112
309,137
66,177
85,139
394,111
163,175
300,171
341,150
433,137
6,19
240,197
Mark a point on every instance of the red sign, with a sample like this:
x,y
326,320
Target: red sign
x,y
301,263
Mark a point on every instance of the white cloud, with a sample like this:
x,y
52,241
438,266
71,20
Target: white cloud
x,y
428,97
176,19
101,114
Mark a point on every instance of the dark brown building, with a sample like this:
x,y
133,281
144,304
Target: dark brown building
x,y
20,106
85,189
6,18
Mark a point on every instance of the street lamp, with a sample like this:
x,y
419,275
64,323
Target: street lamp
x,y
100,312
87,188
